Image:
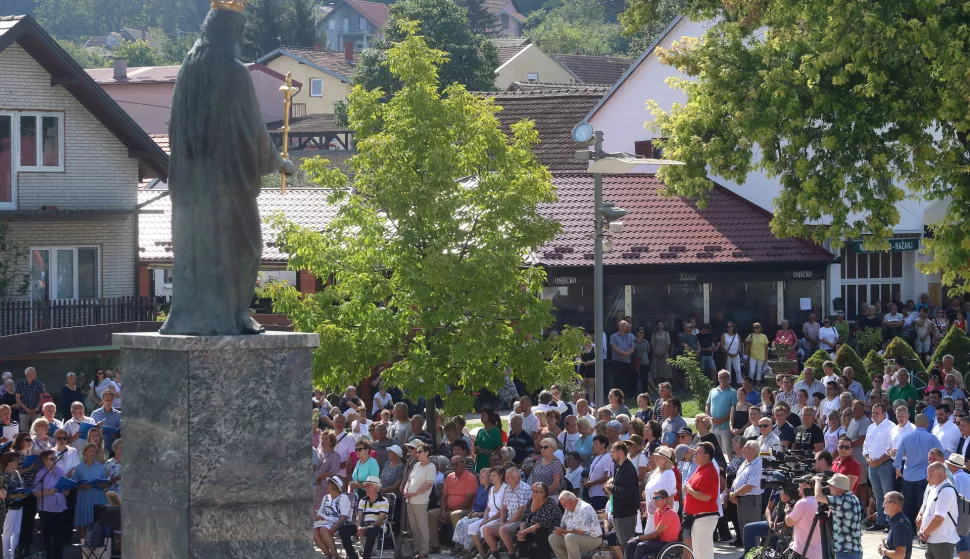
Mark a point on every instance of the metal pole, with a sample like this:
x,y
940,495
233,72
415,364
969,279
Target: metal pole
x,y
598,271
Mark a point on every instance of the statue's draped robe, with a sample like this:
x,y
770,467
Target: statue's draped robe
x,y
220,151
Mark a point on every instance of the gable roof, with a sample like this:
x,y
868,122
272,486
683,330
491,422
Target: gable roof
x,y
667,229
552,86
498,7
67,73
374,12
633,67
163,74
555,112
327,61
305,206
509,47
604,70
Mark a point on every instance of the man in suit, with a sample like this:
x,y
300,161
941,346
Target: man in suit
x,y
963,447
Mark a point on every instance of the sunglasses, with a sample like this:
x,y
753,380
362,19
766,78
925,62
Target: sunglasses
x,y
845,447
360,449
60,438
658,498
545,447
765,426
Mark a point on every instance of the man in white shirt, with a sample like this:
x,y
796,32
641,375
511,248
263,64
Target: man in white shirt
x,y
746,491
828,373
828,337
570,435
892,322
530,423
902,427
583,410
768,441
945,430
875,449
548,402
831,402
935,527
810,384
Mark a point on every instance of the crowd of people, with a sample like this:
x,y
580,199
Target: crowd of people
x,y
57,462
567,477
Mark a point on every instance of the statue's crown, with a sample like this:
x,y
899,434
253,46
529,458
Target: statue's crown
x,y
234,5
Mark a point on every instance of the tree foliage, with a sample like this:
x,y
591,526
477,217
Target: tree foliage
x,y
897,347
815,361
700,384
957,344
86,57
576,27
480,20
272,23
14,280
851,106
847,357
140,53
470,59
875,364
426,252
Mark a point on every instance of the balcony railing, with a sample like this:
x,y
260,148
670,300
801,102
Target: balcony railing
x,y
298,110
18,317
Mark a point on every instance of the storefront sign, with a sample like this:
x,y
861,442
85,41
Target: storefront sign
x,y
564,280
687,278
801,275
895,245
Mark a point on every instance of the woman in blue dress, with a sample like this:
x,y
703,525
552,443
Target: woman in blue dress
x,y
88,493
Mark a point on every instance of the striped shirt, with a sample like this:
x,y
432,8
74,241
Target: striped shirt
x,y
372,511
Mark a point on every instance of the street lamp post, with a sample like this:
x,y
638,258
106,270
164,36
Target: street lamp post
x,y
601,162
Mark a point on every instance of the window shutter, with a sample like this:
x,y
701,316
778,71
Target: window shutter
x,y
643,148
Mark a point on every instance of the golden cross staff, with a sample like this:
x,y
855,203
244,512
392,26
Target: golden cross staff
x,y
288,91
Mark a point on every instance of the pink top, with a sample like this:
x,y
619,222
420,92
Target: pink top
x,y
803,514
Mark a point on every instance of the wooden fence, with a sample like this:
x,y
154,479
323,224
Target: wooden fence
x,y
18,317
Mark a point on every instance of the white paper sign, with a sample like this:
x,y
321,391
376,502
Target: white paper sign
x,y
805,303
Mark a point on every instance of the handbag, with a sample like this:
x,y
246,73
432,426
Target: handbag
x,y
404,544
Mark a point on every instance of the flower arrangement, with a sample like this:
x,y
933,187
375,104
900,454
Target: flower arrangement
x,y
782,349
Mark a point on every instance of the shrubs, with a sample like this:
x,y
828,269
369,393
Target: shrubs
x,y
700,385
957,344
815,362
847,357
899,348
874,363
869,339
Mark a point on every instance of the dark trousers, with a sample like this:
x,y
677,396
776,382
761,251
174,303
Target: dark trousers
x,y
754,531
371,534
535,546
52,524
730,515
27,523
599,503
638,550
913,498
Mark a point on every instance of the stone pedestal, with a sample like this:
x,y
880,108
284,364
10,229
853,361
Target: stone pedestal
x,y
217,446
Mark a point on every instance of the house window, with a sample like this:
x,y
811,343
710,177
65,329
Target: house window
x,y
41,141
333,24
362,24
64,273
346,24
316,87
533,77
167,275
868,277
6,159
646,148
505,21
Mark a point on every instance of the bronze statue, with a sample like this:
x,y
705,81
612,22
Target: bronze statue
x,y
220,152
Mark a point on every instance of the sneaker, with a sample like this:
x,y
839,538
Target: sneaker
x,y
876,528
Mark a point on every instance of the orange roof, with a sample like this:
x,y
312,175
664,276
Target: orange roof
x,y
374,12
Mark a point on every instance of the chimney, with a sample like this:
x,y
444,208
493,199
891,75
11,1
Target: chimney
x,y
349,52
121,68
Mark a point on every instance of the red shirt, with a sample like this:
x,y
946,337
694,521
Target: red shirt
x,y
705,480
848,467
669,519
680,483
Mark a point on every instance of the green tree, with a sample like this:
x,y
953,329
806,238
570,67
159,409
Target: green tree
x,y
577,27
957,344
301,24
426,251
264,28
875,364
480,20
471,59
852,107
847,357
14,280
898,347
173,47
140,53
86,57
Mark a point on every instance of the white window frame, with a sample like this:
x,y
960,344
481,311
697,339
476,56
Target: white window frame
x,y
346,26
52,262
38,115
333,24
532,76
361,24
167,276
314,81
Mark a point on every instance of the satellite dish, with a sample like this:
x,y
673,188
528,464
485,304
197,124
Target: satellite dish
x,y
583,132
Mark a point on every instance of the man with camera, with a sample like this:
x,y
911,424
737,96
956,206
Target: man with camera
x,y
800,517
845,516
935,526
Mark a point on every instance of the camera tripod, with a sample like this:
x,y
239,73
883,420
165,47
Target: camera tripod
x,y
822,522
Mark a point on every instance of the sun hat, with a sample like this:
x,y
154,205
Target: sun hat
x,y
840,481
665,452
373,479
396,450
336,481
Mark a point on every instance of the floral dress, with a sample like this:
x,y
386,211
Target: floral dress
x,y
329,466
112,468
546,473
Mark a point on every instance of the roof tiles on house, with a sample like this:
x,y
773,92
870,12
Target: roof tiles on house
x,y
325,60
509,47
604,70
374,12
667,229
555,112
305,206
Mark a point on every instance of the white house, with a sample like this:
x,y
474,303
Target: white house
x,y
859,277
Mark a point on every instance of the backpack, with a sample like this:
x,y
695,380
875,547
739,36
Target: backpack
x,y
962,521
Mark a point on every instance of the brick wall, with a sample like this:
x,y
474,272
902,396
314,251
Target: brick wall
x,y
115,239
97,170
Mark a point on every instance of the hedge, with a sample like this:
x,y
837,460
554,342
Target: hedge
x,y
847,357
957,344
899,348
875,364
815,362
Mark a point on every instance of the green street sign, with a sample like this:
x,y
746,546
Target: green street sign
x,y
895,245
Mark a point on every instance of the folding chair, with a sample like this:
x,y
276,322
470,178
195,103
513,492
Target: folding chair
x,y
97,546
379,547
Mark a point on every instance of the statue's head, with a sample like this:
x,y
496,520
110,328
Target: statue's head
x,y
225,22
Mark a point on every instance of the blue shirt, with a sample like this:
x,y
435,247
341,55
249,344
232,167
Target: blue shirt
x,y
111,419
753,398
930,412
625,343
721,402
900,534
915,447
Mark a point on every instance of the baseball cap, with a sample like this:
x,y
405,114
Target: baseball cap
x,y
685,431
680,452
614,424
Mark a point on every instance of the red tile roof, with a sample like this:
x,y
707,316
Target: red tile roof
x,y
374,12
324,60
162,141
606,70
662,230
509,47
